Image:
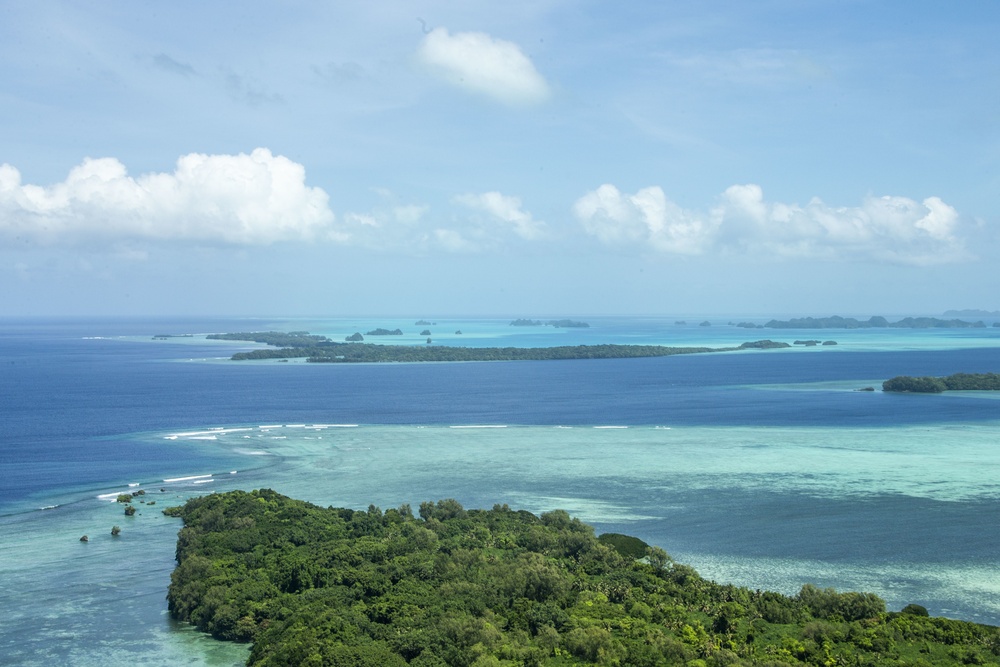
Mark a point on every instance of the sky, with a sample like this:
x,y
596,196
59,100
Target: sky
x,y
538,158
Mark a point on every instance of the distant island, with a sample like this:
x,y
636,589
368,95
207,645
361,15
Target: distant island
x,y
876,322
320,349
277,338
449,586
384,332
549,323
936,385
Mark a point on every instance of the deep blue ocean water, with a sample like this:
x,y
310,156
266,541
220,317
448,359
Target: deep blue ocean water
x,y
83,405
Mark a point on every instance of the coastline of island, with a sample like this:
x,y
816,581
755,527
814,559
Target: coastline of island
x,y
320,349
937,385
448,585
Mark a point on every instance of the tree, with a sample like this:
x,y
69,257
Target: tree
x,y
658,558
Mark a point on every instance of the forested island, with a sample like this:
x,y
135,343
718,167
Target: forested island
x,y
875,322
936,385
320,349
454,587
276,338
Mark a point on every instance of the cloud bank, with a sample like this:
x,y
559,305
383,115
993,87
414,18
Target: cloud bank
x,y
484,65
261,199
889,228
240,199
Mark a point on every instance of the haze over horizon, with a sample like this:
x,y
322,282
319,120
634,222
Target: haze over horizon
x,y
542,158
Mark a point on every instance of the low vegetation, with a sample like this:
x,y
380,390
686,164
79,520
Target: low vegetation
x,y
455,587
936,385
320,349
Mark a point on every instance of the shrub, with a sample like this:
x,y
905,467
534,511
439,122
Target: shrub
x,y
915,610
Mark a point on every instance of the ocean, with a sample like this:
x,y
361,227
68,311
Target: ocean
x,y
767,469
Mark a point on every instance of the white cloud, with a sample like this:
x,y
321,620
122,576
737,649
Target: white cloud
x,y
505,210
240,199
485,65
889,228
647,217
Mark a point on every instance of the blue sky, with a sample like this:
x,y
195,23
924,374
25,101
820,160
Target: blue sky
x,y
480,158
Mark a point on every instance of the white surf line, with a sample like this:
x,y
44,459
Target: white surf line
x,y
610,427
207,432
480,426
186,479
111,496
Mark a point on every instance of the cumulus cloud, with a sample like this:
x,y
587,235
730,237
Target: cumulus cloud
x,y
484,65
889,228
506,211
646,217
242,199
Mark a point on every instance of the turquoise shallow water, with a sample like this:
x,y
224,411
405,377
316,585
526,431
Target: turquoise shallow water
x,y
759,469
769,501
634,331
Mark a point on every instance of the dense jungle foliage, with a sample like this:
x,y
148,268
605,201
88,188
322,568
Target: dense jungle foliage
x,y
935,385
449,587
